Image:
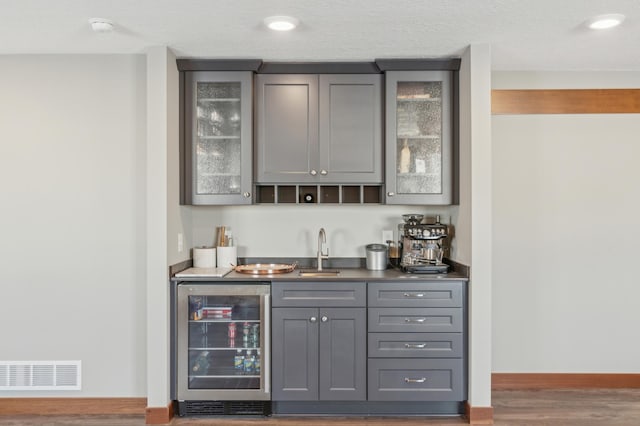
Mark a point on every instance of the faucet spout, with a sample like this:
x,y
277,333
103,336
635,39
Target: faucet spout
x,y
322,239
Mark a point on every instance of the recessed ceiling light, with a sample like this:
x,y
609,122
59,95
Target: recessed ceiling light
x,y
602,22
281,23
101,25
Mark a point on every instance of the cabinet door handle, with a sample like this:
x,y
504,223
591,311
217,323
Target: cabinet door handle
x,y
323,172
246,194
414,295
415,345
313,319
391,194
313,172
418,320
324,319
410,380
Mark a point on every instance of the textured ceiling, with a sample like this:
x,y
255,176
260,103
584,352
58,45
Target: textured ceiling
x,y
523,34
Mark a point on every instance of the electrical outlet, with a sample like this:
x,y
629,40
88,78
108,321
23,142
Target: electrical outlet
x,y
387,235
180,242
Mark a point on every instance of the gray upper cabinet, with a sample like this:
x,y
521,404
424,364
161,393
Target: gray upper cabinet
x,y
419,137
318,128
217,137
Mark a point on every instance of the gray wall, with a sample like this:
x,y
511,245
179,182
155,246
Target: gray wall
x,y
566,203
72,132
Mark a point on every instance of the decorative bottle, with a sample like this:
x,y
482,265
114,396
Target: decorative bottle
x,y
405,158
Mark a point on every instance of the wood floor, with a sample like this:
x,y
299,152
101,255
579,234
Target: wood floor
x,y
590,407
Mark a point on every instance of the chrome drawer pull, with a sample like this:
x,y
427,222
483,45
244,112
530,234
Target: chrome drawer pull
x,y
415,345
419,320
414,295
420,380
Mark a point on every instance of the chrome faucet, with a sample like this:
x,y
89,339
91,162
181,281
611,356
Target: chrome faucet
x,y
322,238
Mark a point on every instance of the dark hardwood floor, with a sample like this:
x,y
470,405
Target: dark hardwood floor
x,y
584,407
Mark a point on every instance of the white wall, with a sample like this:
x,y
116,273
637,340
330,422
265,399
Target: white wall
x,y
566,229
72,132
292,231
475,217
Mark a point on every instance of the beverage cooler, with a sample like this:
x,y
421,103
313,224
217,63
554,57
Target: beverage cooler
x,y
221,348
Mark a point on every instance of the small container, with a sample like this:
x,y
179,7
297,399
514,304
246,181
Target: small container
x,y
195,308
246,331
376,257
255,334
231,330
238,362
217,312
249,363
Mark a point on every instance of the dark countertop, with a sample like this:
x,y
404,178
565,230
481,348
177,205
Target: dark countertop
x,y
457,272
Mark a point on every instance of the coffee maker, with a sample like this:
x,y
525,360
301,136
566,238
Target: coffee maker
x,y
423,245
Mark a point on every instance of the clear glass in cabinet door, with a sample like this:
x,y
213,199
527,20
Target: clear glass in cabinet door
x,y
419,137
217,149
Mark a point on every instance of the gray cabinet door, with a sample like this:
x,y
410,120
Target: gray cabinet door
x,y
350,128
426,294
415,345
295,354
319,294
286,128
217,157
419,137
343,356
416,380
318,129
415,320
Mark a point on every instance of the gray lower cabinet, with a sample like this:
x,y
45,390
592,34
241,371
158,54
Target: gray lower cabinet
x,y
318,128
416,380
318,352
416,341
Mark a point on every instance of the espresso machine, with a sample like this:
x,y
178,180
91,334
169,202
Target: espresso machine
x,y
423,245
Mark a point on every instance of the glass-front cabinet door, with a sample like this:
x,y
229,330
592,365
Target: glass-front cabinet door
x,y
419,137
218,136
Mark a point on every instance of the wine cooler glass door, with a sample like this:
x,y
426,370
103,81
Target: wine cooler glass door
x,y
223,342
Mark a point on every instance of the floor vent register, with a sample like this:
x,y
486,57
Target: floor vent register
x,y
40,375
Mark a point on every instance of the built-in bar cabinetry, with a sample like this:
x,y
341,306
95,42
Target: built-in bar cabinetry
x,y
270,133
410,337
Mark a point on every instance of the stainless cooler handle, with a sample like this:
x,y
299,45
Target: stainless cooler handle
x,y
266,357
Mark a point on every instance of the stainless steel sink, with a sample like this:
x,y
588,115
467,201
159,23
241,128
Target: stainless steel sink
x,y
317,273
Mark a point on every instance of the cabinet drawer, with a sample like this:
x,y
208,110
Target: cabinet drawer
x,y
416,380
319,294
412,320
415,345
422,294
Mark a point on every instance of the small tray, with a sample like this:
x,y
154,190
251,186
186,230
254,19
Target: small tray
x,y
265,268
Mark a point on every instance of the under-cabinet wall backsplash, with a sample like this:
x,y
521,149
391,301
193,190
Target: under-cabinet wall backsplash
x,y
292,231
